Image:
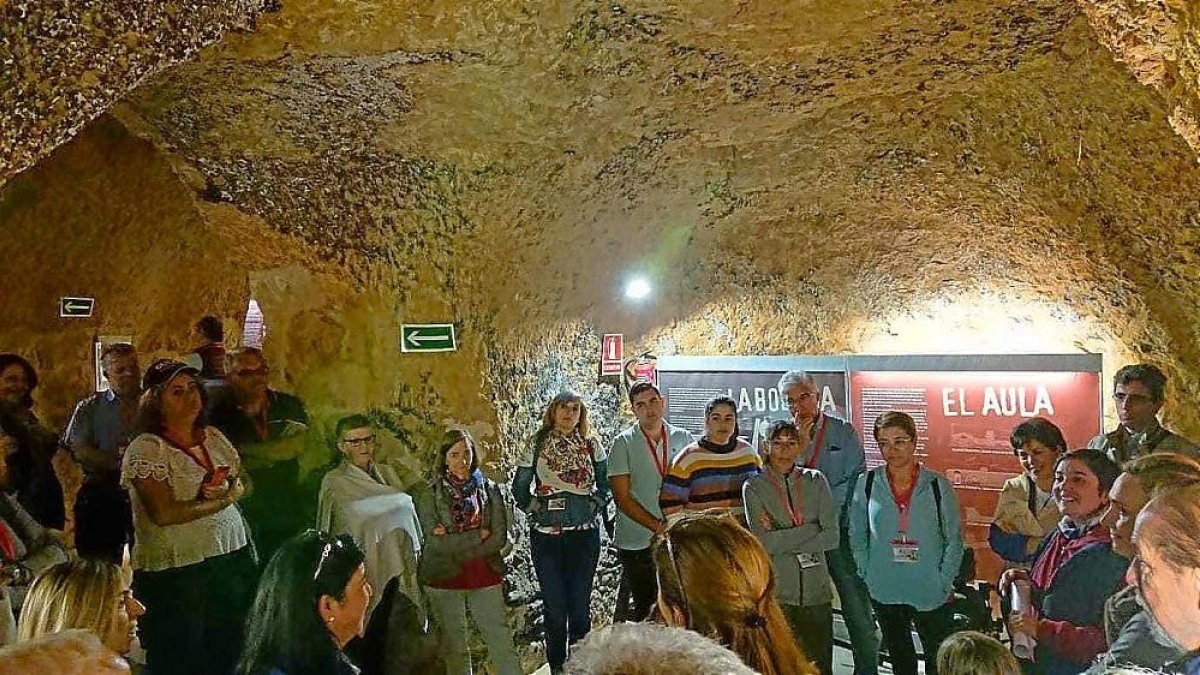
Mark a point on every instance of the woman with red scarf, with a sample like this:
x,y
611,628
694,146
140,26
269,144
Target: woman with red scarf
x,y
1074,571
465,525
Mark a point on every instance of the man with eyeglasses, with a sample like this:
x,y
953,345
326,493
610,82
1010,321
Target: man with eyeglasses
x,y
1139,393
1166,571
96,436
366,499
269,430
835,451
639,458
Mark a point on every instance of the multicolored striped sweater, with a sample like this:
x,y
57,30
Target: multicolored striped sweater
x,y
702,479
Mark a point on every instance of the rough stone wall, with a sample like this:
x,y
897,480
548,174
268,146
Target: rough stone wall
x,y
1159,40
64,63
816,177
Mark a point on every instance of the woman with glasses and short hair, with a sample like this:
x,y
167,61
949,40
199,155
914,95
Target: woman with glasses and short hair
x,y
906,534
312,600
716,579
465,522
1074,572
365,498
193,564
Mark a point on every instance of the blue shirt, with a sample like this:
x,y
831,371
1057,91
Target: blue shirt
x,y
97,422
841,458
631,456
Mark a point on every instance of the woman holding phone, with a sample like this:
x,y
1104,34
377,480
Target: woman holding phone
x,y
193,566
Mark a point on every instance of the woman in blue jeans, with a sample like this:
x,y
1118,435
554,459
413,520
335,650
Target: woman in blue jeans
x,y
561,483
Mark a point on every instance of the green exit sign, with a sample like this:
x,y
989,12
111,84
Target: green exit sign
x,y
427,337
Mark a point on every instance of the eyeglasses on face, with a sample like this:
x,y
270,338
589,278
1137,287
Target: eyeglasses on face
x,y
363,440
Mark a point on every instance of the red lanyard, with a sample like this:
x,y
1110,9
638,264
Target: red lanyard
x,y
817,442
903,499
796,513
660,460
204,460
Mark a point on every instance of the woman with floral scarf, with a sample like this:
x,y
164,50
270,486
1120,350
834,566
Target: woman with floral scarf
x,y
570,469
465,526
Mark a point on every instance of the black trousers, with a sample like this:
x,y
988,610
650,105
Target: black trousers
x,y
637,568
103,520
813,628
195,614
897,621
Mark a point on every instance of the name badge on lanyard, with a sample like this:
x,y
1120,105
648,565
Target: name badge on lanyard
x,y
809,560
904,550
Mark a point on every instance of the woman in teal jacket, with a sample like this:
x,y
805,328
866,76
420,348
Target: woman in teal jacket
x,y
907,540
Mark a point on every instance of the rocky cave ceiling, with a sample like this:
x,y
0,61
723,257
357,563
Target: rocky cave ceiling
x,y
834,159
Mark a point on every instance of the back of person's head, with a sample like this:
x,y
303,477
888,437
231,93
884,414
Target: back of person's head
x,y
1161,471
719,577
72,652
284,629
74,594
651,649
211,328
972,653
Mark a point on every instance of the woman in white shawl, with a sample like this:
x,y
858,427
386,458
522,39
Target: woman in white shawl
x,y
365,499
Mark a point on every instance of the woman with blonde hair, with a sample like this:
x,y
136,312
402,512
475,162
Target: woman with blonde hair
x,y
716,579
970,652
562,483
88,594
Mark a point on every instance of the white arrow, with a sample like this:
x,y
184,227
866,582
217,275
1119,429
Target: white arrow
x,y
415,338
71,307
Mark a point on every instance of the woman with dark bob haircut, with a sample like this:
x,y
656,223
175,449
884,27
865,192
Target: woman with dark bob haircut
x,y
311,601
1074,571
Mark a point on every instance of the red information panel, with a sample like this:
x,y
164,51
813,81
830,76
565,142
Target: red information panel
x,y
963,425
612,354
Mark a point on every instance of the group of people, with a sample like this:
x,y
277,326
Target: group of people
x,y
192,532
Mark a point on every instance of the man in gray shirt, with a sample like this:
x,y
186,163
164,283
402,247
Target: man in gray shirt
x,y
96,436
637,462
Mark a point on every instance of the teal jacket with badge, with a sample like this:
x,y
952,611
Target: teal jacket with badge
x,y
874,525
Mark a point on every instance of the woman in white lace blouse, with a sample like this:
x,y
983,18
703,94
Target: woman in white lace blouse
x,y
193,566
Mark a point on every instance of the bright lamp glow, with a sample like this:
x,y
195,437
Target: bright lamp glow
x,y
637,288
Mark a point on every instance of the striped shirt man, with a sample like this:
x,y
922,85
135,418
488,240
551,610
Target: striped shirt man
x,y
700,478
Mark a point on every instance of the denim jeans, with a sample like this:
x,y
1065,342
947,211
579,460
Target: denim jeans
x,y
565,565
856,608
